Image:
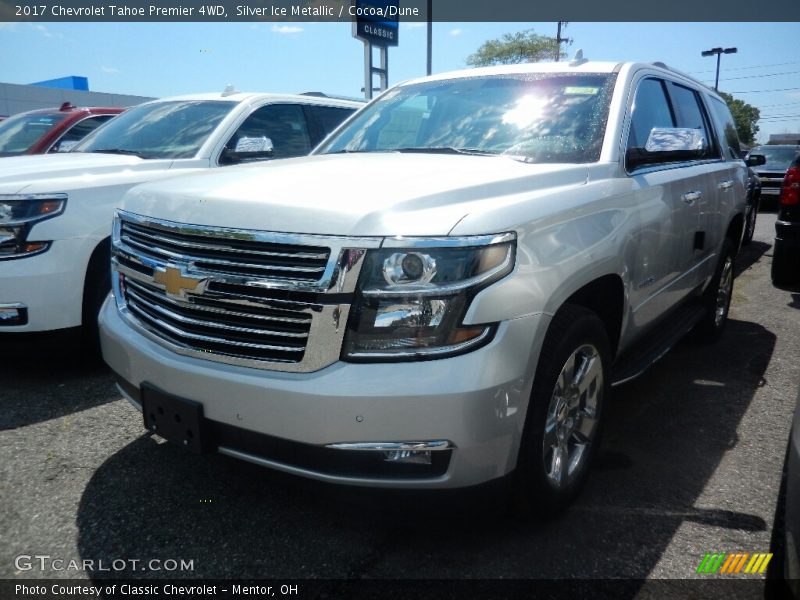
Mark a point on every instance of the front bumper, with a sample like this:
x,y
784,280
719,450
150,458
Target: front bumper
x,y
476,401
48,285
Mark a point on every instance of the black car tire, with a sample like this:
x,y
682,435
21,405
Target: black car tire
x,y
750,224
574,329
717,297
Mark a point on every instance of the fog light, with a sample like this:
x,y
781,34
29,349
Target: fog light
x,y
13,314
417,457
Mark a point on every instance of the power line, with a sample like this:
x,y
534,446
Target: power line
x,y
762,91
759,76
785,104
794,62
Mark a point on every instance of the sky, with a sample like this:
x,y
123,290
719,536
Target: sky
x,y
164,59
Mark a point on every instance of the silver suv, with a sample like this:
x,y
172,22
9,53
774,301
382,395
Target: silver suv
x,y
444,292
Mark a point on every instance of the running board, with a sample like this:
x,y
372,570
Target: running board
x,y
656,343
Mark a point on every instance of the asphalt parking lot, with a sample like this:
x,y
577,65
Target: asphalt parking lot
x,y
691,463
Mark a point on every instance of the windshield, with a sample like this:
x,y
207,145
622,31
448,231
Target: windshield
x,y
535,118
778,157
20,132
175,129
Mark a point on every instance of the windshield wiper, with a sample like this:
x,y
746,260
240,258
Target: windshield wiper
x,y
444,150
346,151
119,151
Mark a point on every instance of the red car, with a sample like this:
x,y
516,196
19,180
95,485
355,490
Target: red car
x,y
50,129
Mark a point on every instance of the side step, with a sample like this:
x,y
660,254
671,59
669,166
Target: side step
x,y
656,343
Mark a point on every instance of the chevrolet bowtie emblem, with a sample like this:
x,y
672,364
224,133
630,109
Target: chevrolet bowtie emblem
x,y
175,283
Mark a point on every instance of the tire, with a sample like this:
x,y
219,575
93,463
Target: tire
x,y
750,225
562,426
717,297
95,289
785,265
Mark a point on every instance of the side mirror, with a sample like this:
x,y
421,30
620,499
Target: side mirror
x,y
667,144
675,139
248,149
755,160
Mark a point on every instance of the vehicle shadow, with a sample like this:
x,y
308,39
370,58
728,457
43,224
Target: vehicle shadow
x,y
49,379
749,255
665,436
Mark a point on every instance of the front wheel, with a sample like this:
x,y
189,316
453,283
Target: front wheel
x,y
562,426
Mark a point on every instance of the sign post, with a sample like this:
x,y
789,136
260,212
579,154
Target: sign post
x,y
376,24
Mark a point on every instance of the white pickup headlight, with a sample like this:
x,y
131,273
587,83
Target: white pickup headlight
x,y
20,212
411,300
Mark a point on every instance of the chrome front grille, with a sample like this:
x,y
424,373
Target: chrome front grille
x,y
265,300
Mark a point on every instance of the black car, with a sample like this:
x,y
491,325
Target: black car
x,y
778,158
753,202
786,253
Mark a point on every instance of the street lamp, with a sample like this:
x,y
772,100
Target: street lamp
x,y
718,52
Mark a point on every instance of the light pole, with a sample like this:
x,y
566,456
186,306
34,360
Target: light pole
x,y
718,52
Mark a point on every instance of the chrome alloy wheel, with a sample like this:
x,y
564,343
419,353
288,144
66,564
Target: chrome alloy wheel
x,y
571,418
724,292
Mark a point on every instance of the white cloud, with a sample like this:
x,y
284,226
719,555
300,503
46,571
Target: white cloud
x,y
413,25
456,32
43,30
109,70
284,29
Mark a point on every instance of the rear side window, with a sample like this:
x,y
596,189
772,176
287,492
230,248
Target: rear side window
x,y
329,117
650,109
77,132
690,115
723,114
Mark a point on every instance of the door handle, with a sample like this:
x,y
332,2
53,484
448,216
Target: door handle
x,y
691,197
727,184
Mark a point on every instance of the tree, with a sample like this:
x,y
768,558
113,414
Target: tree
x,y
745,116
512,48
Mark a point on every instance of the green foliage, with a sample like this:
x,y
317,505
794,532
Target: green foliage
x,y
512,48
745,116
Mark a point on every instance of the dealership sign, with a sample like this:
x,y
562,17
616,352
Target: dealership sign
x,y
376,21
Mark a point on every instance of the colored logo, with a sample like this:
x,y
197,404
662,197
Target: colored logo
x,y
175,283
727,564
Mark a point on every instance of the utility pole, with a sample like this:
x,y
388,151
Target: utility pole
x,y
559,39
718,52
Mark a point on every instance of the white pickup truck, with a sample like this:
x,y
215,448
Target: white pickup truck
x,y
444,291
56,210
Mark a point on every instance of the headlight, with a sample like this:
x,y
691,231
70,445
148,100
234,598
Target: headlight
x,y
20,212
411,300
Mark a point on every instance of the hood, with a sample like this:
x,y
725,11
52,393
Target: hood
x,y
59,172
379,194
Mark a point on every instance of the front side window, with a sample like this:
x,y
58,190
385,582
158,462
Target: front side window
x,y
20,132
170,129
284,124
650,109
77,132
542,118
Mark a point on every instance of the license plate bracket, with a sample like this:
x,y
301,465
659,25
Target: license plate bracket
x,y
175,419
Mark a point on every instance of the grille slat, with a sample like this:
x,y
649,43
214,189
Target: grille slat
x,y
228,255
234,329
225,266
222,313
